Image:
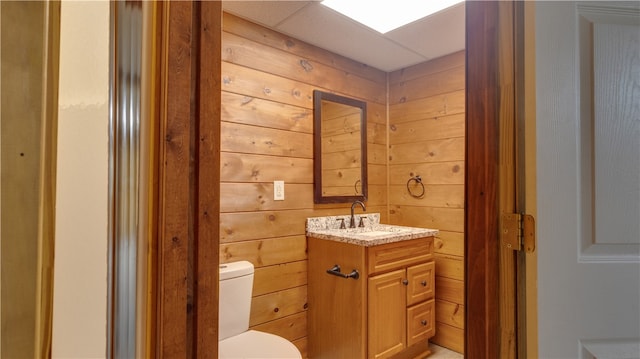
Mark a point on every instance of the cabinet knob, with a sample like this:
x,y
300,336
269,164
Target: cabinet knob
x,y
424,322
424,283
405,281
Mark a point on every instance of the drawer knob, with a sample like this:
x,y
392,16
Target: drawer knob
x,y
424,322
424,283
405,281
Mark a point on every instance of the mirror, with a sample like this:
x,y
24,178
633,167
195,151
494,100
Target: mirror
x,y
340,148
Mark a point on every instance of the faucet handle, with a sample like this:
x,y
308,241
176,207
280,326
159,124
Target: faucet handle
x,y
342,225
361,222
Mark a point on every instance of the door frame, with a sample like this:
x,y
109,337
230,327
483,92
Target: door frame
x,y
496,311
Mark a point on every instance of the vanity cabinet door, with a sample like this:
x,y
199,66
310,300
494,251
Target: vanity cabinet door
x,y
421,282
387,314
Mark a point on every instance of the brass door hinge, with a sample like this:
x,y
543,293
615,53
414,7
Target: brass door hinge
x,y
518,232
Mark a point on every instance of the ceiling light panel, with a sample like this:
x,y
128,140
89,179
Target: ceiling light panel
x,y
384,15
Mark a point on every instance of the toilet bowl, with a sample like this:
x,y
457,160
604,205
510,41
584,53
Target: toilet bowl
x,y
235,340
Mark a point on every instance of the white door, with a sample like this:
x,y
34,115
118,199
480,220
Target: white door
x,y
588,179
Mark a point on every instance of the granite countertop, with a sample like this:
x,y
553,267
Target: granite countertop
x,y
373,233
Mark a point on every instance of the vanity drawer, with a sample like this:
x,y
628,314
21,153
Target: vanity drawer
x,y
421,282
386,257
421,322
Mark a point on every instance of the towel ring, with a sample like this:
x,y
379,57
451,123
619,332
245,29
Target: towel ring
x,y
417,180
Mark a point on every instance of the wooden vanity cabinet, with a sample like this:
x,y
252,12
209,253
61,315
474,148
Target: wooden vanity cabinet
x,y
390,306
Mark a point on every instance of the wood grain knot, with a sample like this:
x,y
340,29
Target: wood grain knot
x,y
306,65
393,127
276,310
456,169
272,217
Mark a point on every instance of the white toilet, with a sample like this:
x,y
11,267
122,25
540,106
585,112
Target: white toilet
x,y
234,338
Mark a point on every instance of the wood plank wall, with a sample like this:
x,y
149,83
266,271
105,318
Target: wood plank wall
x,y
267,127
267,134
426,138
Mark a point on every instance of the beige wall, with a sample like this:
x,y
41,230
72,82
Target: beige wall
x,y
80,282
23,27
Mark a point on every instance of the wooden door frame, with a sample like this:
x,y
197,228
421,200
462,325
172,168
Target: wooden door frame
x,y
188,188
187,170
494,103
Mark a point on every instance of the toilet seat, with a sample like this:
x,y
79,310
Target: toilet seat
x,y
254,344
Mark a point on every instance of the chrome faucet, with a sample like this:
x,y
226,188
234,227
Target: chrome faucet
x,y
352,222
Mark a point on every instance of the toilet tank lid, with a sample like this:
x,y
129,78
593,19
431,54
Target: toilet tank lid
x,y
235,269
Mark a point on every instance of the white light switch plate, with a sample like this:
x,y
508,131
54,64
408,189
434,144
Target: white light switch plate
x,y
278,190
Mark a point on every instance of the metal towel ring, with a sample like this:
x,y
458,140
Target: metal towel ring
x,y
418,180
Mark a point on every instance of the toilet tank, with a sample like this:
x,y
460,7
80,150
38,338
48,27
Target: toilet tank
x,y
236,284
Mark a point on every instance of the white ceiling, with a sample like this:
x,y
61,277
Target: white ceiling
x,y
433,36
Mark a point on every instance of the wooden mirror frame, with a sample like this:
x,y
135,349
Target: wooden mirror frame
x,y
318,196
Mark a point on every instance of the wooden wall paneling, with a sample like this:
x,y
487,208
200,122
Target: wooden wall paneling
x,y
259,112
253,83
266,252
279,277
447,242
481,219
451,290
449,336
445,219
276,305
237,167
292,327
439,64
448,196
261,140
377,154
267,136
434,106
248,30
239,197
450,266
450,149
281,63
450,313
427,138
428,85
242,226
447,172
428,129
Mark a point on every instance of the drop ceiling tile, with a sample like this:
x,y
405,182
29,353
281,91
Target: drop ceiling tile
x,y
327,29
436,35
267,13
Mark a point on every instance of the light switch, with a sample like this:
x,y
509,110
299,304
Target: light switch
x,y
278,190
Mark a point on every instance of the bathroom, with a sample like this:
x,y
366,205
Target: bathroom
x,y
425,138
